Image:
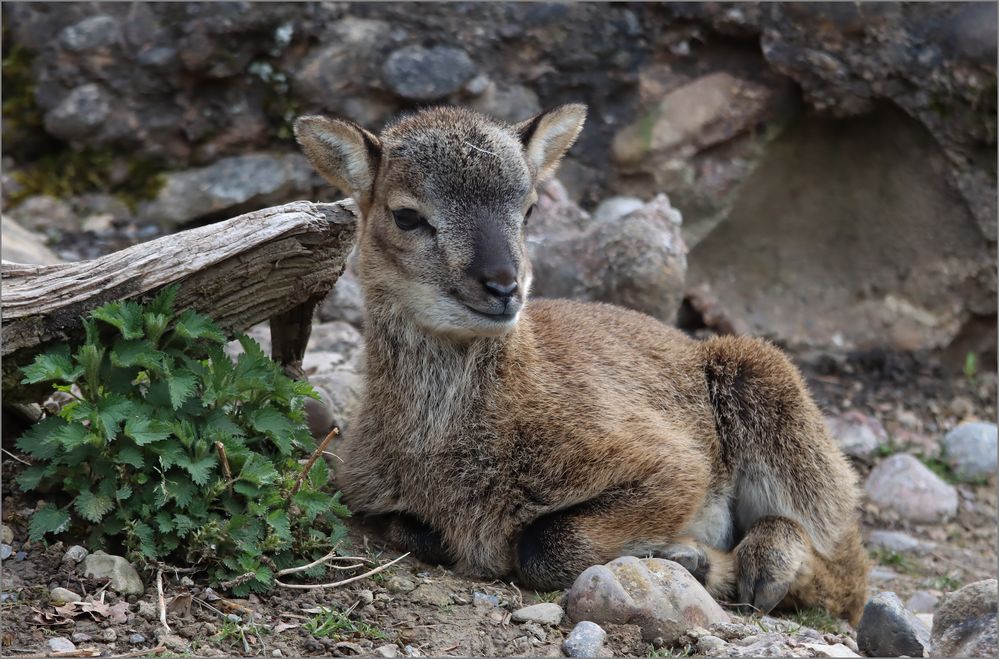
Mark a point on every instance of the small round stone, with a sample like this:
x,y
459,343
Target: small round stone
x,y
585,640
136,639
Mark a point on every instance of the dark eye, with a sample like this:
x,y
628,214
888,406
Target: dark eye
x,y
408,219
530,210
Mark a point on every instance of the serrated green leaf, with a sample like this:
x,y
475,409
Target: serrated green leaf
x,y
183,524
164,301
111,411
146,539
38,441
200,470
337,507
181,384
164,521
278,520
156,324
312,502
92,507
55,364
193,325
32,476
146,431
49,519
131,455
91,358
275,425
124,492
170,454
125,316
138,353
258,471
181,490
74,435
319,474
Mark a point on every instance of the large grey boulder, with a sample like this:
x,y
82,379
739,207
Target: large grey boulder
x,y
964,624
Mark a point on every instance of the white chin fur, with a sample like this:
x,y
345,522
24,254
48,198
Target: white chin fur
x,y
451,318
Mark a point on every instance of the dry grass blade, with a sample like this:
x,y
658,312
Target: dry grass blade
x,y
343,582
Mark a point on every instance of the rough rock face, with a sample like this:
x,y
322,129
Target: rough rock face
x,y
23,246
637,260
965,623
835,163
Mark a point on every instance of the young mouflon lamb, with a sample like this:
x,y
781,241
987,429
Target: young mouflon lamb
x,y
538,438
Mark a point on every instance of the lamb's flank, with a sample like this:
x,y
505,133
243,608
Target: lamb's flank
x,y
539,438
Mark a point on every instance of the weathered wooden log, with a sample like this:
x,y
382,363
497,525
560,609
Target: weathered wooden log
x,y
276,263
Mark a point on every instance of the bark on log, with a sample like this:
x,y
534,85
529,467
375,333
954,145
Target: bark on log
x,y
275,263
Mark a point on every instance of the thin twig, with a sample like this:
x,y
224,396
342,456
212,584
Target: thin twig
x,y
160,565
312,459
159,593
331,556
241,579
208,606
220,447
21,460
345,581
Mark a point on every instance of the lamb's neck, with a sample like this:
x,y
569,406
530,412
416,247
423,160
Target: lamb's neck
x,y
427,373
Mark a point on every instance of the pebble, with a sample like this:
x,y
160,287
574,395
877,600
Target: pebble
x,y
659,596
835,650
411,651
8,597
148,610
173,642
232,617
124,578
905,485
61,644
709,643
365,597
63,595
277,653
545,614
971,450
431,595
109,636
136,639
20,556
485,600
614,208
964,624
887,629
585,640
400,584
6,535
387,651
80,637
76,553
5,551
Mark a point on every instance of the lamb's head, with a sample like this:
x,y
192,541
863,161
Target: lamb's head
x,y
444,196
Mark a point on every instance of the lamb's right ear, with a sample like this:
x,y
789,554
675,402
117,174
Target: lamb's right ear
x,y
343,152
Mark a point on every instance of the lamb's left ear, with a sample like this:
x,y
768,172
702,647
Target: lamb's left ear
x,y
547,136
343,152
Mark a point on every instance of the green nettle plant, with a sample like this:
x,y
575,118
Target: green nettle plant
x,y
176,452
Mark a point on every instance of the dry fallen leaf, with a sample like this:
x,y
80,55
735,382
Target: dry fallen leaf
x,y
284,626
181,605
99,611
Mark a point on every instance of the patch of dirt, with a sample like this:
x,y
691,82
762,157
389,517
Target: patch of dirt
x,y
442,615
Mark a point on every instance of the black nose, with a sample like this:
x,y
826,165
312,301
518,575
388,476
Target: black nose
x,y
501,289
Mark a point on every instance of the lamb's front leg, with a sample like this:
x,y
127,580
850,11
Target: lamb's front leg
x,y
555,548
407,532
